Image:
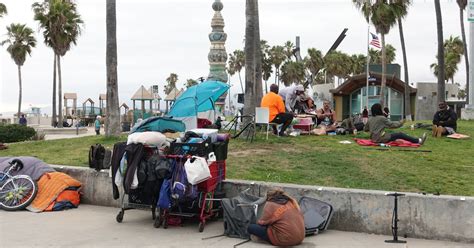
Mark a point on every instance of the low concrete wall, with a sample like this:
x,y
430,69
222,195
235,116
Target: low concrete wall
x,y
370,211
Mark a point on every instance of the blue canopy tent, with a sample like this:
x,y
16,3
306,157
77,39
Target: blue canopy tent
x,y
196,99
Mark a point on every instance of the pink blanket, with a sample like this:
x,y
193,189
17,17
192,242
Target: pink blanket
x,y
399,142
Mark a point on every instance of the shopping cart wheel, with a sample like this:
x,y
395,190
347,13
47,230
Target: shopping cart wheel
x,y
157,223
201,226
120,216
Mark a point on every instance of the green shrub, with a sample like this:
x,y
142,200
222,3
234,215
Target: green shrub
x,y
15,133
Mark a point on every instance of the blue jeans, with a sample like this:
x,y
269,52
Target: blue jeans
x,y
395,136
259,231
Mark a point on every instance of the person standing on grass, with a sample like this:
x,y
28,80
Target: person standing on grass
x,y
23,120
97,125
276,108
444,121
282,223
365,115
378,122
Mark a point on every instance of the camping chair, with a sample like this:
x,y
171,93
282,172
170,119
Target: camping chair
x,y
262,116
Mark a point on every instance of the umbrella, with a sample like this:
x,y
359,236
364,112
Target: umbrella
x,y
198,98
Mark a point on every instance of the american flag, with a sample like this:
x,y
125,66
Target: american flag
x,y
375,41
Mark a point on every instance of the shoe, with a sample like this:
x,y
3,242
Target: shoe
x,y
423,139
283,135
439,132
434,131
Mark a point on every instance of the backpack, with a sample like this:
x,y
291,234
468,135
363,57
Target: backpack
x,y
99,157
181,189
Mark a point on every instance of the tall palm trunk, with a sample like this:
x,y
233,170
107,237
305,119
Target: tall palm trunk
x,y
407,100
463,32
439,24
251,48
384,68
258,59
19,93
241,85
112,123
54,119
60,94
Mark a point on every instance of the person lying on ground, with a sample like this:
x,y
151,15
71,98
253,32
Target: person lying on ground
x,y
282,223
444,121
276,108
327,117
290,95
378,122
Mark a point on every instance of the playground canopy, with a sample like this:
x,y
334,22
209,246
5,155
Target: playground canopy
x,y
198,98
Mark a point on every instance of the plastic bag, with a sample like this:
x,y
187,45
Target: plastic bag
x,y
197,170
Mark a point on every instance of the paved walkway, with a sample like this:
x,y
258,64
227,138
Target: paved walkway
x,y
90,132
94,226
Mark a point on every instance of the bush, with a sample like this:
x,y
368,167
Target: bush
x,y
15,133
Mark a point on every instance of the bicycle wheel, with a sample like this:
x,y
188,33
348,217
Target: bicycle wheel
x,y
17,193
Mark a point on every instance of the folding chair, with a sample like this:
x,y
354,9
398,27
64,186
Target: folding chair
x,y
262,116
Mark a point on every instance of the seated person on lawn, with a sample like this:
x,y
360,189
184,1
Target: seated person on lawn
x,y
290,96
327,117
378,122
276,108
444,121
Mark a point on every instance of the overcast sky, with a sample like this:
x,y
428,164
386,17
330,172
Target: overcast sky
x,y
159,37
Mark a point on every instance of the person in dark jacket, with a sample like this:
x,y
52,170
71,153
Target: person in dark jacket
x,y
282,223
377,124
444,121
23,120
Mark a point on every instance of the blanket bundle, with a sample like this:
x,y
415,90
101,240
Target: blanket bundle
x,y
399,142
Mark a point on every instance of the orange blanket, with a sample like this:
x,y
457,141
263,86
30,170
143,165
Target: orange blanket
x,y
50,185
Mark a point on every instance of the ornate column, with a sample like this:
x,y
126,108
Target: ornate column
x,y
217,55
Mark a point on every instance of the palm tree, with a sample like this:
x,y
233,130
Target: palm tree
x,y
277,56
3,10
171,80
61,24
293,72
383,14
190,83
288,49
253,65
462,6
314,62
358,62
266,62
20,41
337,64
407,103
112,123
237,63
441,72
376,55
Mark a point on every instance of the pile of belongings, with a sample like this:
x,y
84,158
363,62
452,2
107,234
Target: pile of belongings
x,y
56,190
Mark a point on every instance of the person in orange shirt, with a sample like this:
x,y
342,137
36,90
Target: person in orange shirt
x,y
276,107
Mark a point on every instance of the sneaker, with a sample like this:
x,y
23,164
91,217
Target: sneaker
x,y
423,139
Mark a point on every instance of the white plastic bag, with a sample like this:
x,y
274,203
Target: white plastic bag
x,y
211,157
197,170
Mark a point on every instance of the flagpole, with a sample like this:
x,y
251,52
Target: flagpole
x,y
367,69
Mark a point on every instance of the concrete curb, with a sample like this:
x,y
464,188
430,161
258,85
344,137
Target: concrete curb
x,y
370,211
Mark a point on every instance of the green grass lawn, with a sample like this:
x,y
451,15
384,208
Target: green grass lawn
x,y
317,160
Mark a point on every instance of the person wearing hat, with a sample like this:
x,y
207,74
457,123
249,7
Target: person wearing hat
x,y
290,95
444,121
97,125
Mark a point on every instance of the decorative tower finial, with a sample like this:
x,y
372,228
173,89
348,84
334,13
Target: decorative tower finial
x,y
217,55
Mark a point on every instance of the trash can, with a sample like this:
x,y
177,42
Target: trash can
x,y
125,126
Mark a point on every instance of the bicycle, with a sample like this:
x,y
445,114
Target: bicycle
x,y
16,192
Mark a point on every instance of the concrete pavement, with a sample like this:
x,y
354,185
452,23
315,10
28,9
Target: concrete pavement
x,y
95,226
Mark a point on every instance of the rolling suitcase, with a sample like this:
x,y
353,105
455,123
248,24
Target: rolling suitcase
x,y
317,214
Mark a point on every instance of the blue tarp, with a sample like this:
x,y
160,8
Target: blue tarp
x,y
198,98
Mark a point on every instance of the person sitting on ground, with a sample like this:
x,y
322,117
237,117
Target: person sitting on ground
x,y
377,124
276,108
290,95
327,117
282,222
444,121
23,120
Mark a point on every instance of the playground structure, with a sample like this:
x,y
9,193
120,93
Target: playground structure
x,y
171,98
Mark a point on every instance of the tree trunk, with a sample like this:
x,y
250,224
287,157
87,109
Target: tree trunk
x,y
54,118
112,123
384,78
60,95
251,49
258,59
19,92
407,100
439,24
466,57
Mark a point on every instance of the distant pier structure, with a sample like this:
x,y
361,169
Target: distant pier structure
x,y
217,55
